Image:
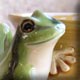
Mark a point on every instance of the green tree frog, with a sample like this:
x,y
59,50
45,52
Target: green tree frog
x,y
28,55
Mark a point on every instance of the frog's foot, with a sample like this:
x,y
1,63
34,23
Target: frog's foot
x,y
63,59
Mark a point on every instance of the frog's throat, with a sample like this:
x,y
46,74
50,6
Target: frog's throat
x,y
40,56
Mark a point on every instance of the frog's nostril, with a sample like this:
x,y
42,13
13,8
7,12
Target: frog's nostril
x,y
27,26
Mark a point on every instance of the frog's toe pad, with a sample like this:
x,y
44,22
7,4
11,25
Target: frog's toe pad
x,y
62,59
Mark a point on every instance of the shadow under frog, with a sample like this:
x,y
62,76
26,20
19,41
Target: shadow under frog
x,y
30,56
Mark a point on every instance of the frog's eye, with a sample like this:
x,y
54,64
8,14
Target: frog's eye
x,y
27,26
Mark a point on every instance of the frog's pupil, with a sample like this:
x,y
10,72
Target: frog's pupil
x,y
28,27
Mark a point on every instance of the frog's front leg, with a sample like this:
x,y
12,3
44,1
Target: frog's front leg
x,y
60,58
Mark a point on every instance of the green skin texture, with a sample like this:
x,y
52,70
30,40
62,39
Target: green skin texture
x,y
5,43
46,29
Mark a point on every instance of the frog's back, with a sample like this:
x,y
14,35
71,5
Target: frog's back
x,y
5,43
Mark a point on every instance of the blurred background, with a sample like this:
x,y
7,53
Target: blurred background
x,y
23,6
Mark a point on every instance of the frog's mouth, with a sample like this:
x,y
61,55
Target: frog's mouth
x,y
48,40
55,38
44,40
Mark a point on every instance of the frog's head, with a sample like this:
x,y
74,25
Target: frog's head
x,y
40,28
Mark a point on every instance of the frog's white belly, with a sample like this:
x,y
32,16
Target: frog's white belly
x,y
40,56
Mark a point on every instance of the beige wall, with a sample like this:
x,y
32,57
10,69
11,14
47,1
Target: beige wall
x,y
24,6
